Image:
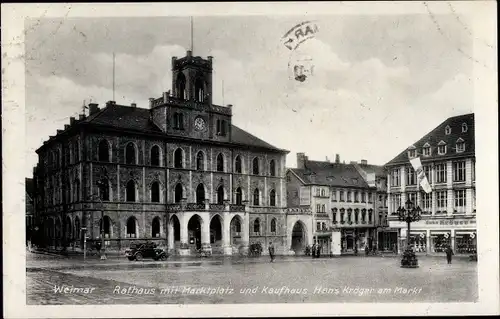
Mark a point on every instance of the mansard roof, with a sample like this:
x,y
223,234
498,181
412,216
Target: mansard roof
x,y
438,136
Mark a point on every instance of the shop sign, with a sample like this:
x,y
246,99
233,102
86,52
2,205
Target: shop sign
x,y
450,222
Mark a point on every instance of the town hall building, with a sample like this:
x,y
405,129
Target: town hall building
x,y
179,174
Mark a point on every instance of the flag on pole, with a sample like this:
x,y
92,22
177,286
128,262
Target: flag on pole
x,y
422,179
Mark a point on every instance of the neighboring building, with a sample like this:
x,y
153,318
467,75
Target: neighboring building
x,y
30,210
342,202
449,211
179,174
376,176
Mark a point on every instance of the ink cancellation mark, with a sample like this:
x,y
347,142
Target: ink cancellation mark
x,y
300,65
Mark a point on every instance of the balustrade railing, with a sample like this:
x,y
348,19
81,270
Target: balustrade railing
x,y
217,207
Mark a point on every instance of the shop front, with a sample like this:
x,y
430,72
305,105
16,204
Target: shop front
x,y
388,240
465,242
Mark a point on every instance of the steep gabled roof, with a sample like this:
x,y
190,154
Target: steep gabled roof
x,y
330,174
138,119
438,135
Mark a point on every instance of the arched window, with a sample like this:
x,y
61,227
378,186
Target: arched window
x,y
178,193
272,198
256,199
178,158
130,196
76,151
155,155
103,151
273,225
220,163
220,195
200,161
200,194
256,226
239,196
76,195
130,154
104,189
155,227
181,86
131,228
255,166
199,91
106,227
178,121
272,168
237,164
155,192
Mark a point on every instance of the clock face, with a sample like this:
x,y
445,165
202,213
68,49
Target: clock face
x,y
199,124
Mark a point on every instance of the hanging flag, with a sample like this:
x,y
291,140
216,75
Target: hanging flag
x,y
422,179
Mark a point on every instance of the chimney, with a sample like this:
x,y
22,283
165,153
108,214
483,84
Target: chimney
x,y
72,120
59,131
337,158
93,108
327,159
66,126
81,117
133,105
151,102
210,58
189,53
110,103
301,160
364,162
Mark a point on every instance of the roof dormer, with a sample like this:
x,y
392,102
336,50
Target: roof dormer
x,y
447,130
460,145
442,147
412,151
464,127
426,149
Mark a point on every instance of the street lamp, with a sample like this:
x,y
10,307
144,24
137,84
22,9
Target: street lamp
x,y
409,214
102,188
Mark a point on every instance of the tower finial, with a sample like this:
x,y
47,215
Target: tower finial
x,y
192,34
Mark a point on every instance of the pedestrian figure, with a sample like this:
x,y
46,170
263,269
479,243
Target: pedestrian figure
x,y
313,251
271,251
318,251
449,253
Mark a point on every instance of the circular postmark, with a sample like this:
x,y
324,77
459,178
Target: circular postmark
x,y
300,62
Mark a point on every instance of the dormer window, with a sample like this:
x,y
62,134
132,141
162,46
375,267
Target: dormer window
x,y
426,150
460,145
442,148
447,130
464,127
412,151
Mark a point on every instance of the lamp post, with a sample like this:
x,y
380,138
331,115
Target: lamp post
x,y
102,188
409,214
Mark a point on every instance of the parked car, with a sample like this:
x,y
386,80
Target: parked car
x,y
145,250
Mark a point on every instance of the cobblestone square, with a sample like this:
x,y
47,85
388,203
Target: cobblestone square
x,y
252,280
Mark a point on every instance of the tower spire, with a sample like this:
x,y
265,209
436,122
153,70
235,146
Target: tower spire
x,y
192,34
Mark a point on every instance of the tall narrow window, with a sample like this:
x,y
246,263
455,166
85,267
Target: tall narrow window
x,y
130,157
273,225
239,196
178,158
272,198
76,195
131,227
155,192
256,199
200,160
181,86
178,193
200,194
198,89
103,151
155,227
255,165
256,226
155,155
237,164
223,128
104,190
220,163
130,191
220,195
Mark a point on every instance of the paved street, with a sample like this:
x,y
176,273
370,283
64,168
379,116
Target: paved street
x,y
289,279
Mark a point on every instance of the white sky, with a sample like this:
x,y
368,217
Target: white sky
x,y
380,81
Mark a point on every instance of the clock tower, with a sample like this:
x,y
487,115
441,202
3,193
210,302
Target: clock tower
x,y
188,110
